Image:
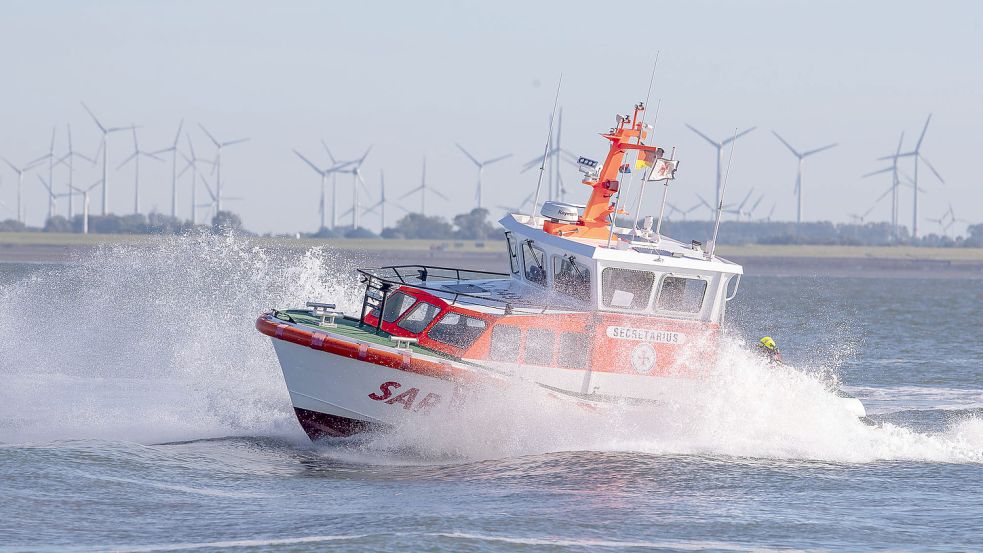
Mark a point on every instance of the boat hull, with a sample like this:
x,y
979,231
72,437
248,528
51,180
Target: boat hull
x,y
336,396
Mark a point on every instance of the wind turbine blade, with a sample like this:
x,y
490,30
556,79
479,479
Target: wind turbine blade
x,y
738,135
212,138
878,172
98,124
934,172
817,150
45,183
499,158
740,206
7,161
757,203
787,145
882,196
232,142
340,168
127,160
177,135
471,157
361,160
362,182
918,145
328,150
900,141
410,193
704,202
705,137
317,169
441,194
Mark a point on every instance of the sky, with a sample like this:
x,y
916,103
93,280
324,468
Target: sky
x,y
412,78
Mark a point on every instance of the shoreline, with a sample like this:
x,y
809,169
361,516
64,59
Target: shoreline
x,y
758,260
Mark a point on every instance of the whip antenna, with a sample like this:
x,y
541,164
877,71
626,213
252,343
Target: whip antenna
x,y
723,189
546,151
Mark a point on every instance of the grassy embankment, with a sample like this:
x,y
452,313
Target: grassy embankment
x,y
49,240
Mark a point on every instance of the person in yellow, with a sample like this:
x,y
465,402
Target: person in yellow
x,y
769,350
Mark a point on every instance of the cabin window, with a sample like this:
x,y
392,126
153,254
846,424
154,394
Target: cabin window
x,y
505,343
419,317
571,277
574,350
626,288
539,346
513,253
682,294
534,263
457,330
396,305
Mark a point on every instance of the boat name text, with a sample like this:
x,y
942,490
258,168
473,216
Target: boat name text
x,y
645,335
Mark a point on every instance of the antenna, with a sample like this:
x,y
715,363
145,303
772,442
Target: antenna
x,y
546,150
723,189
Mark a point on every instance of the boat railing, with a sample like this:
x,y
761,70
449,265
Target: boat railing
x,y
380,282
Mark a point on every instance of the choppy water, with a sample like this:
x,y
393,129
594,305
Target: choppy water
x,y
140,411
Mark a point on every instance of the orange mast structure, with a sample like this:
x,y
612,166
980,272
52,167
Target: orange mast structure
x,y
597,216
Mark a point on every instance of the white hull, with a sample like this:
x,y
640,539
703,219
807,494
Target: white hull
x,y
336,395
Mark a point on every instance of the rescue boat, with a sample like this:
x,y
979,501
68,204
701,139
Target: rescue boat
x,y
589,311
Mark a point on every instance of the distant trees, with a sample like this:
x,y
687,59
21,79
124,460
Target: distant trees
x,y
473,225
975,238
418,225
225,221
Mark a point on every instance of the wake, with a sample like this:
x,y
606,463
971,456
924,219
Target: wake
x,y
157,344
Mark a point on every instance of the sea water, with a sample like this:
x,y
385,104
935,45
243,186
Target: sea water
x,y
141,411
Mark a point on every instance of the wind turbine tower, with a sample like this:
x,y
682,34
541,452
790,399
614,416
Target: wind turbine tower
x,y
106,131
174,153
895,183
481,166
917,155
423,189
798,176
135,158
218,164
324,177
720,153
20,181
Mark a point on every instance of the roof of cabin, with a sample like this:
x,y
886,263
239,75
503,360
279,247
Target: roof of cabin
x,y
661,254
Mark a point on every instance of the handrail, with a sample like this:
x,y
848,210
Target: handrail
x,y
396,277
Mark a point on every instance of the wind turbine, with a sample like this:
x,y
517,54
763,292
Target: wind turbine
x,y
739,208
357,180
106,131
192,163
52,197
521,206
481,166
767,218
174,153
381,204
135,158
720,154
423,189
684,212
69,160
798,176
553,157
861,219
85,203
20,181
324,177
218,164
917,155
895,182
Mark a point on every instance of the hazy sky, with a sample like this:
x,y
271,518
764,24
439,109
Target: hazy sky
x,y
411,78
